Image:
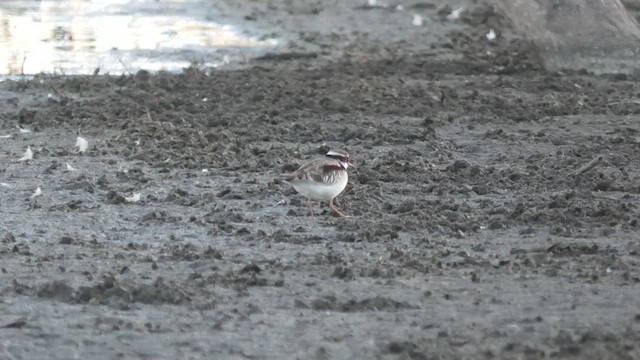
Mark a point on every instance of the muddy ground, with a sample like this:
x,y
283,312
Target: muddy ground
x,y
478,229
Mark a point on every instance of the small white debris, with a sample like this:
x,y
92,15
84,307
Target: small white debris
x,y
3,184
38,192
455,14
133,198
204,99
23,131
282,202
491,35
28,155
71,168
82,144
205,170
373,2
5,136
399,8
137,142
226,60
417,20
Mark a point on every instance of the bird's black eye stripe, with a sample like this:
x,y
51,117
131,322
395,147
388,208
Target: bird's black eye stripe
x,y
340,157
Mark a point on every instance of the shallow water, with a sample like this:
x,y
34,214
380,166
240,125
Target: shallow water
x,y
118,36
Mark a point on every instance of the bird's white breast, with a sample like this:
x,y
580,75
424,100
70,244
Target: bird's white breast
x,y
322,191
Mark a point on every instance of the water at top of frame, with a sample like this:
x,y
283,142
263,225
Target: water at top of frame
x,y
74,37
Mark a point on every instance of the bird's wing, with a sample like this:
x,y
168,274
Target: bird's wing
x,y
314,170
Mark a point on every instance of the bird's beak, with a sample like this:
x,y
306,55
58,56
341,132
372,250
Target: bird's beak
x,y
352,165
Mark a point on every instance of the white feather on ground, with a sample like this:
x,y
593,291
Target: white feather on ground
x,y
28,155
417,20
133,198
491,35
82,144
38,192
455,14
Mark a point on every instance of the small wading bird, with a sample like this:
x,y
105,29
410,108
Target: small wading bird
x,y
322,179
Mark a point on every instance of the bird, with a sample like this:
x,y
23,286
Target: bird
x,y
322,179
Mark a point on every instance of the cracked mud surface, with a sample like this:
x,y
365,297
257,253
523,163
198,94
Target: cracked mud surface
x,y
478,230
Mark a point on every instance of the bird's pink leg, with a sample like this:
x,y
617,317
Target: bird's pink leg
x,y
310,207
335,210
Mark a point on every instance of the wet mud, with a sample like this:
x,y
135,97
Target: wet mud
x,y
494,205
